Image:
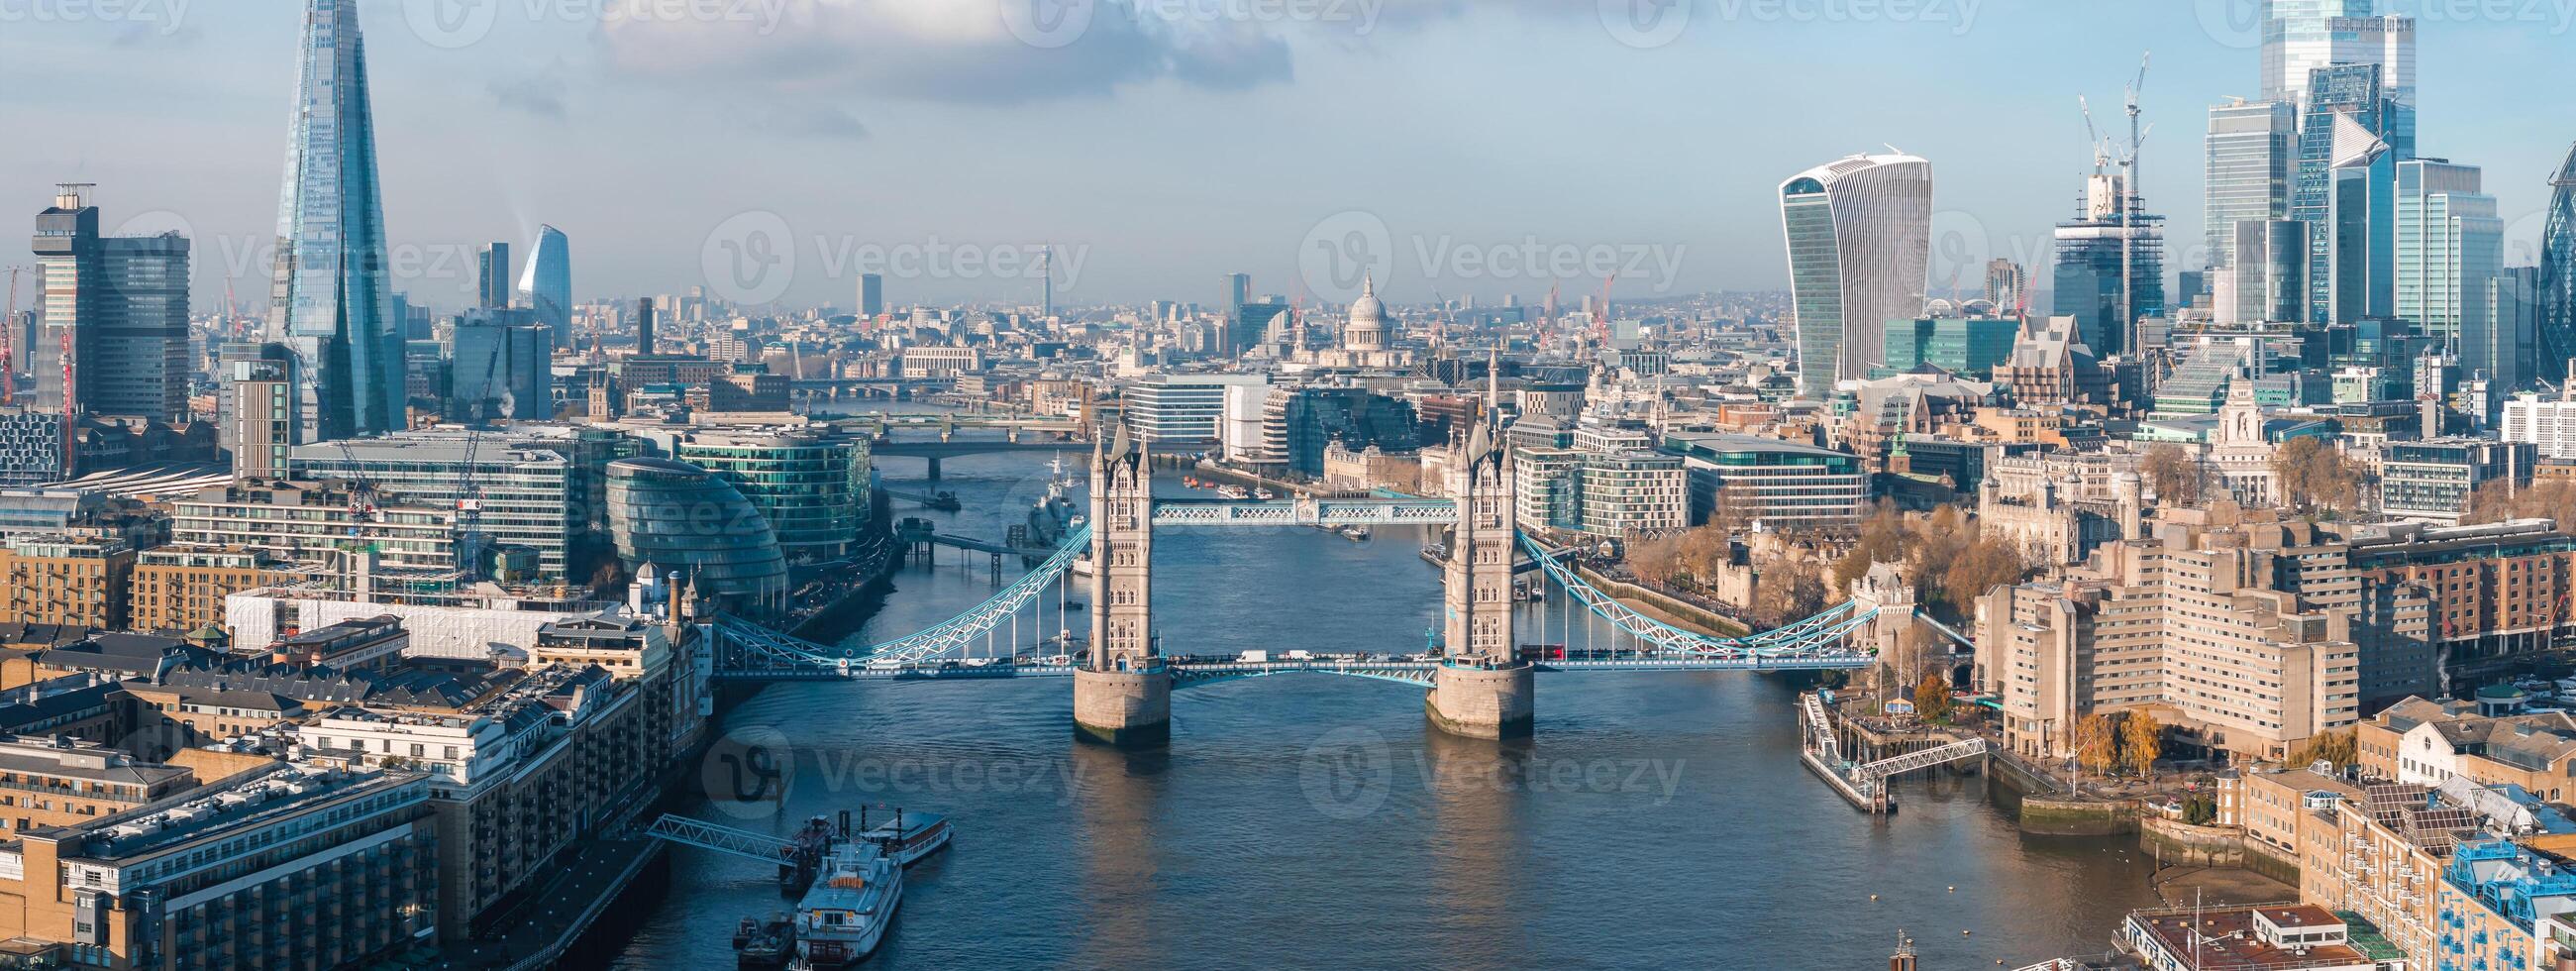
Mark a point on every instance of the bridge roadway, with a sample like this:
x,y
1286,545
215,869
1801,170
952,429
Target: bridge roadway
x,y
1189,672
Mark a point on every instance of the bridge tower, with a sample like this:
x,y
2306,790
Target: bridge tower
x,y
1483,688
1885,591
1122,693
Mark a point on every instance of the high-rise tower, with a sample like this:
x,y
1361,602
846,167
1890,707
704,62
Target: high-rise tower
x,y
546,285
2557,295
1860,253
329,301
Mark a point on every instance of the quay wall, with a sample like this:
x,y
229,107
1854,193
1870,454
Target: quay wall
x,y
2177,843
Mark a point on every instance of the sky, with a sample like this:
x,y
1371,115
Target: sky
x,y
772,150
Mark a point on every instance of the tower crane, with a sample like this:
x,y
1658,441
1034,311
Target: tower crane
x,y
9,342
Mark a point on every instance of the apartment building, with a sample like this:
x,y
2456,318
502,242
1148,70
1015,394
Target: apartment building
x,y
294,867
64,580
524,496
319,521
2192,622
514,777
61,782
182,588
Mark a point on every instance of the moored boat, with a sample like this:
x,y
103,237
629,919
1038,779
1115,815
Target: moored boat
x,y
843,919
908,836
764,944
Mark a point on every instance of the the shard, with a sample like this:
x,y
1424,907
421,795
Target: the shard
x,y
330,301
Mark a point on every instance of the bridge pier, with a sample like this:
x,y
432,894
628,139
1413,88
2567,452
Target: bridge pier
x,y
1123,709
934,468
1479,702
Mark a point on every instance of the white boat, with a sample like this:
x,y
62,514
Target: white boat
x,y
1082,567
843,919
908,836
1233,492
1264,495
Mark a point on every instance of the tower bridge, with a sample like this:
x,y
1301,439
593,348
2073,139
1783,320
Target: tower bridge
x,y
1478,675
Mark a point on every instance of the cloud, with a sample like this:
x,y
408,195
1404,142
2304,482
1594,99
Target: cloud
x,y
815,121
954,51
540,94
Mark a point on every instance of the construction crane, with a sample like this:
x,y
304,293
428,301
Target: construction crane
x,y
1601,326
2129,203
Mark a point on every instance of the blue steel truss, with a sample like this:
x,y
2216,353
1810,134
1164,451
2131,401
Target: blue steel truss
x,y
734,842
748,651
1821,639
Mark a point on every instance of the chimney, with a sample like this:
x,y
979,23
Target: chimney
x,y
672,592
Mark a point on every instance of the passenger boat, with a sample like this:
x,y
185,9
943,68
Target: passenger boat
x,y
909,836
764,944
1233,492
1264,495
843,919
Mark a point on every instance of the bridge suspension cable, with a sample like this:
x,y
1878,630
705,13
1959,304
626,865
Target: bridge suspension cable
x,y
1818,636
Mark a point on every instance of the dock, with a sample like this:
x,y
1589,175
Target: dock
x,y
1858,767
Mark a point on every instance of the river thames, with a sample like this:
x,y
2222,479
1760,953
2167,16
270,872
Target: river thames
x,y
1304,821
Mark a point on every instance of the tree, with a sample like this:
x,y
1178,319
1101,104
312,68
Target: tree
x,y
1791,590
2097,743
2552,499
2200,809
2177,479
1932,698
2141,741
2317,476
2335,747
1978,569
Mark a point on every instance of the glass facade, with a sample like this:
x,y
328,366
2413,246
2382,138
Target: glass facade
x,y
2299,36
2360,241
671,516
2248,176
812,489
2450,247
2557,296
1966,346
2099,259
2356,92
1318,417
546,286
330,300
1860,252
2267,281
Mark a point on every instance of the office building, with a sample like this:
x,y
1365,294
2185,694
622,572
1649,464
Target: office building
x,y
1312,420
871,295
309,521
811,486
525,498
667,516
2507,351
2249,170
2432,481
2449,251
330,300
2110,266
2349,128
1970,347
492,277
118,306
2300,36
1860,248
1780,486
1633,493
2557,285
502,368
2266,281
644,337
2006,282
545,286
1182,407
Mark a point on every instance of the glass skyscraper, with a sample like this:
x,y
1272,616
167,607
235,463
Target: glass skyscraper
x,y
2250,164
2360,228
2354,94
2450,247
1860,255
2557,297
2303,36
330,302
546,285
119,306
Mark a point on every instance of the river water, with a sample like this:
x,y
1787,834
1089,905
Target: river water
x,y
1656,821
